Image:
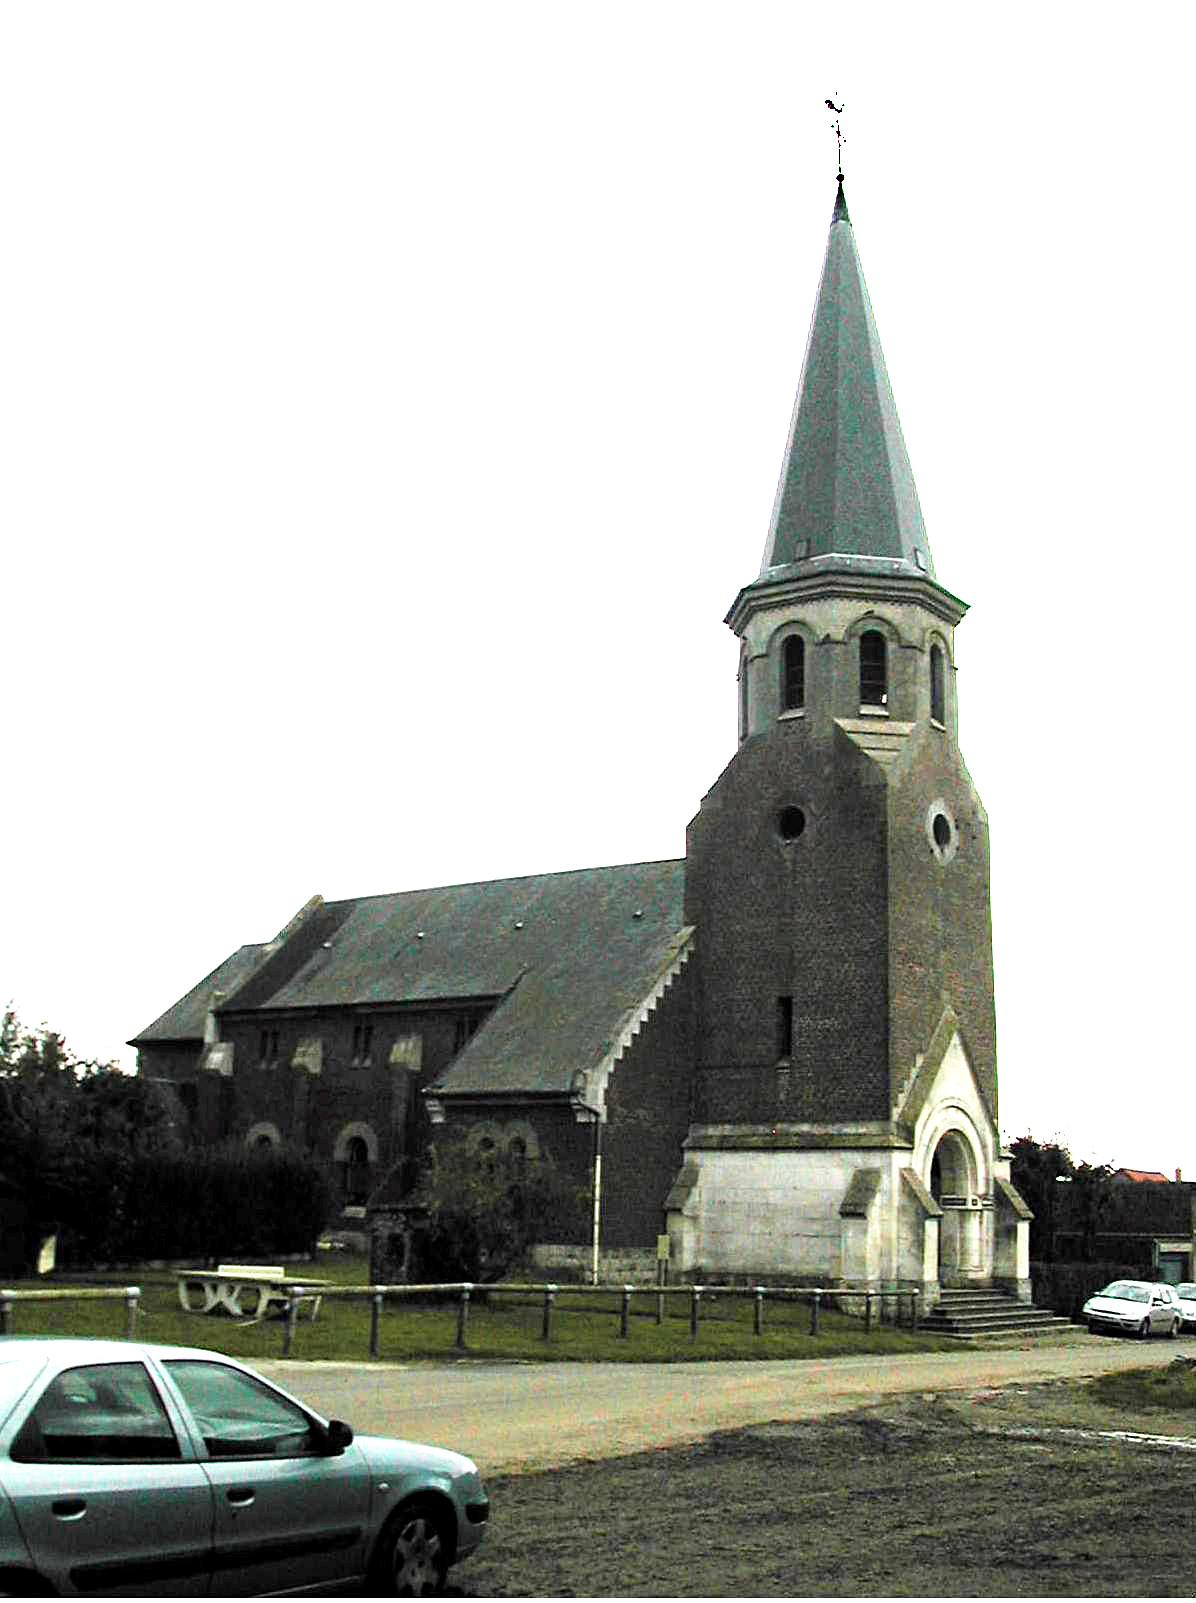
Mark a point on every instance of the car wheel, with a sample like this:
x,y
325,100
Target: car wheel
x,y
413,1551
1144,1329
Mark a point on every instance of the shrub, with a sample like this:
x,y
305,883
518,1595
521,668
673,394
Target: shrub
x,y
481,1215
1066,1287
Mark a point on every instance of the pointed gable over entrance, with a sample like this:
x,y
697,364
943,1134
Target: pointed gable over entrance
x,y
847,490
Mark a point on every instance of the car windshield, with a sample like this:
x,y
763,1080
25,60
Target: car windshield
x,y
1127,1290
1186,1291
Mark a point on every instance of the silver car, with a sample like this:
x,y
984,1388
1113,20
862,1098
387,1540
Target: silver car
x,y
1139,1307
129,1470
1186,1292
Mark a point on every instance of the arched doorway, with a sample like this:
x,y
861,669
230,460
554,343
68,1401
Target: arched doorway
x,y
953,1185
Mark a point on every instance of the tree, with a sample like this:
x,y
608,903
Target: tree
x,y
483,1212
70,1130
1036,1170
1041,1170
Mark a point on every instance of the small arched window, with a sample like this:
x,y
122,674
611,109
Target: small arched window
x,y
874,669
793,674
937,703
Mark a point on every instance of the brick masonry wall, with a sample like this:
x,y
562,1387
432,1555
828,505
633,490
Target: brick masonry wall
x,y
807,918
940,947
648,1114
311,1110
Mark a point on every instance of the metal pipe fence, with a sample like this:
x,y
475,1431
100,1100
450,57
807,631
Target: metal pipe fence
x,y
847,1298
818,1297
130,1294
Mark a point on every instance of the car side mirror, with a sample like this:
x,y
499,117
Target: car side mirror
x,y
337,1436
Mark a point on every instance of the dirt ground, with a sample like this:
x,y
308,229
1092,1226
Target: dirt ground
x,y
993,1493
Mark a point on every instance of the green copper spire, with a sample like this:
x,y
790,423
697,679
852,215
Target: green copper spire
x,y
847,496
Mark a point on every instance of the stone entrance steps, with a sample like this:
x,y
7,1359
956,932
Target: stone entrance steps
x,y
973,1312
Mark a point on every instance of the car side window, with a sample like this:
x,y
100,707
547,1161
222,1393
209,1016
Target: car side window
x,y
240,1416
98,1413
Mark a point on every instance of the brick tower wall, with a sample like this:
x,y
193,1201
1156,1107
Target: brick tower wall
x,y
807,919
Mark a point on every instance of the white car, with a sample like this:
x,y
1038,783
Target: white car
x,y
1186,1292
1141,1307
136,1470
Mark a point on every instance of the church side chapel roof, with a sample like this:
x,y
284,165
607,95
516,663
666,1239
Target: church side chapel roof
x,y
572,956
847,496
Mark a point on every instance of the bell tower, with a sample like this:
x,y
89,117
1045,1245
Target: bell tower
x,y
845,1101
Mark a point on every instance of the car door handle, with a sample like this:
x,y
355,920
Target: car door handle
x,y
241,1496
69,1508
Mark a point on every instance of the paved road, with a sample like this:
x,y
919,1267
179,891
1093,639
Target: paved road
x,y
536,1416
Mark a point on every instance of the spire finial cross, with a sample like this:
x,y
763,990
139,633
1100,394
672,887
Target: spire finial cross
x,y
838,110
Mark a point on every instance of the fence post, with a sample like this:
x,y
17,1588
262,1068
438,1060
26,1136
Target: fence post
x,y
815,1300
759,1320
913,1312
868,1312
288,1329
463,1317
546,1328
6,1313
132,1298
376,1300
695,1297
625,1312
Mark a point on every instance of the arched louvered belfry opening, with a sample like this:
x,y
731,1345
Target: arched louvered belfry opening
x,y
793,674
874,669
938,703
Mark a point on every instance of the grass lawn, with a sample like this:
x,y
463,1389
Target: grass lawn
x,y
585,1328
1170,1387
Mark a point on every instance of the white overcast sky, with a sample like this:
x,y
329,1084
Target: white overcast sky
x,y
392,398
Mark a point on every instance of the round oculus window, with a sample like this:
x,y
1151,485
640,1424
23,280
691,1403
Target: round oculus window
x,y
941,830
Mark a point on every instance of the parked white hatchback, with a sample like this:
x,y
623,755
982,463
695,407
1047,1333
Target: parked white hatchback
x,y
1141,1307
136,1470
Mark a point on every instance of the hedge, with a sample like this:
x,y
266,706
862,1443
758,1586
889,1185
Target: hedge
x,y
209,1204
1065,1287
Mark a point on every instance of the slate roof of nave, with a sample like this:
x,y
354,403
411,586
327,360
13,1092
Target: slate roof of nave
x,y
571,954
184,1019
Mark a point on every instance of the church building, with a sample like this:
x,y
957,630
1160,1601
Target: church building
x,y
779,1051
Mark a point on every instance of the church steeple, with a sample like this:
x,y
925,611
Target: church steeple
x,y
844,1088
846,497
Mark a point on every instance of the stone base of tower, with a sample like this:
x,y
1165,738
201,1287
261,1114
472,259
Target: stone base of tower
x,y
840,1206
